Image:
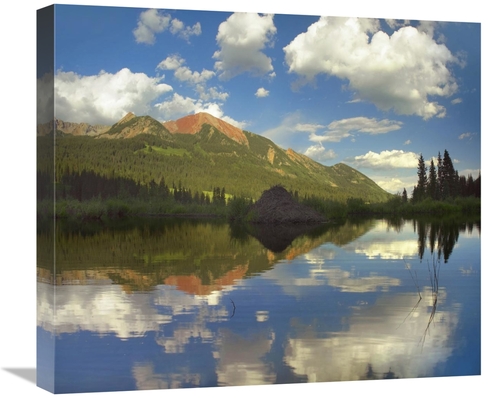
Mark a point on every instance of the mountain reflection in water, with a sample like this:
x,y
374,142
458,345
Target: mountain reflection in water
x,y
174,304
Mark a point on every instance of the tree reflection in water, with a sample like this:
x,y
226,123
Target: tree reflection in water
x,y
441,234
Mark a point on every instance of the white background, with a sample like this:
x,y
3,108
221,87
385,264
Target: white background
x,y
18,183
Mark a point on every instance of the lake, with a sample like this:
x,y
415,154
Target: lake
x,y
166,303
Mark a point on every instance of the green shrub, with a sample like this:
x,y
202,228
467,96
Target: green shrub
x,y
238,208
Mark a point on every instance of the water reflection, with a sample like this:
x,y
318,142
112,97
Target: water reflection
x,y
442,235
197,303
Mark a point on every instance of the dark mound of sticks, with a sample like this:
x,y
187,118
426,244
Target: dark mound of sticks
x,y
277,206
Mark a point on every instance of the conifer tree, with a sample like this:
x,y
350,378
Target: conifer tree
x,y
404,197
439,195
448,177
432,184
420,190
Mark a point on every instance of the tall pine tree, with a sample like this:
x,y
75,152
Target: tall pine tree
x,y
439,177
448,181
432,183
419,192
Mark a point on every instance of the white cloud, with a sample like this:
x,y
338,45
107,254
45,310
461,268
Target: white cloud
x,y
396,23
106,97
194,30
339,129
308,127
262,92
177,27
474,172
241,39
242,125
184,73
456,101
179,106
466,135
319,153
172,62
386,160
199,79
396,72
407,142
396,184
152,22
211,93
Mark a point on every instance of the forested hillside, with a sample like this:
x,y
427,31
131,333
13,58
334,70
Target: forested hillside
x,y
139,152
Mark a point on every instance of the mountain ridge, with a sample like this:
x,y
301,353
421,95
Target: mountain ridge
x,y
191,124
202,152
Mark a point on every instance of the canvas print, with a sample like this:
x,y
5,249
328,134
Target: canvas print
x,y
234,199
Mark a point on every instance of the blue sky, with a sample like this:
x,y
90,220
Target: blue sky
x,y
373,93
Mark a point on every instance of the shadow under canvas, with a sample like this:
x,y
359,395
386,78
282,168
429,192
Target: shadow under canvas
x,y
28,374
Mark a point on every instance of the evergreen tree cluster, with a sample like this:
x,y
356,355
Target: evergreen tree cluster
x,y
442,181
87,185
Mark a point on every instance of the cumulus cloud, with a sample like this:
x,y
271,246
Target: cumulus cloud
x,y
184,73
178,106
211,93
241,39
152,22
456,101
106,97
185,32
339,129
172,62
262,92
319,153
398,72
395,184
386,160
397,23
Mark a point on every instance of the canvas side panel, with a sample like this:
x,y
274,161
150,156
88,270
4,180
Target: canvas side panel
x,y
45,137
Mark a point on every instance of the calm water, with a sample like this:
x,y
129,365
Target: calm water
x,y
175,304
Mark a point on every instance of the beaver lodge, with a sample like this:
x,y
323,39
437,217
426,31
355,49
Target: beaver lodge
x,y
277,206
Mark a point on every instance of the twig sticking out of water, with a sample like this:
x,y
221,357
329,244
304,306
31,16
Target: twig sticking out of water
x,y
434,277
415,279
411,312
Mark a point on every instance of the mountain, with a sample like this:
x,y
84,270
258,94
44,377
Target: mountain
x,y
201,152
131,126
192,124
79,129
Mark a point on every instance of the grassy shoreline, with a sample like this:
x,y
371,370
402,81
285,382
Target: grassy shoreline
x,y
110,209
